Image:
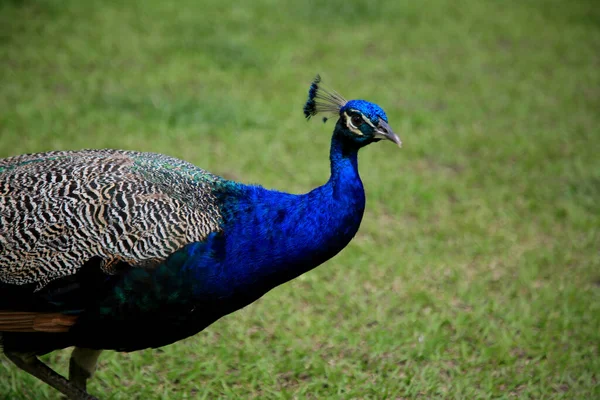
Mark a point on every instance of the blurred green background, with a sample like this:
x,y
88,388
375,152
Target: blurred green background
x,y
476,272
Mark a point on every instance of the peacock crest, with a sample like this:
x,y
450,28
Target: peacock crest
x,y
322,100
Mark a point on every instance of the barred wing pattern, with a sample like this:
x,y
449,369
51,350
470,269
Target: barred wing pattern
x,y
59,209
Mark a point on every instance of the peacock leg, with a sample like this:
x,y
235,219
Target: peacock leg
x,y
82,365
28,362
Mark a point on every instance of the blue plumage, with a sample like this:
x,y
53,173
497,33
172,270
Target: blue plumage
x,y
257,239
370,110
311,105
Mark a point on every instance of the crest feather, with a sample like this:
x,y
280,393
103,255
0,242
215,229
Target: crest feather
x,y
322,100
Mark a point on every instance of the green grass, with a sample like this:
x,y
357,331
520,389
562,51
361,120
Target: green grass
x,y
476,272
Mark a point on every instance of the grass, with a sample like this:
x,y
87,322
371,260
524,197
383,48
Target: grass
x,y
476,272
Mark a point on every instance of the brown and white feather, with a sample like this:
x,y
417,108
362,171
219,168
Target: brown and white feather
x,y
59,209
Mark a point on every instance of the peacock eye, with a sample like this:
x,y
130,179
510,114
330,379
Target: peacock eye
x,y
357,120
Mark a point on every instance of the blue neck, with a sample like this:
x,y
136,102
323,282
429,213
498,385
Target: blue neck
x,y
268,238
272,237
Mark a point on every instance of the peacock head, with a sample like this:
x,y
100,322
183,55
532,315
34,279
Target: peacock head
x,y
360,121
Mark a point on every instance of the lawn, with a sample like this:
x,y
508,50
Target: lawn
x,y
476,271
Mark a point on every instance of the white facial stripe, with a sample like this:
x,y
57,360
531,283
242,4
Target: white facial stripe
x,y
364,119
351,126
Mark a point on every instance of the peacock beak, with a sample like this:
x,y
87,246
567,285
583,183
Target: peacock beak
x,y
383,131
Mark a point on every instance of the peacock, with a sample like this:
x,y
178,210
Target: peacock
x,y
98,248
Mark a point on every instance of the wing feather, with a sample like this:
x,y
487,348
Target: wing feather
x,y
21,321
60,209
